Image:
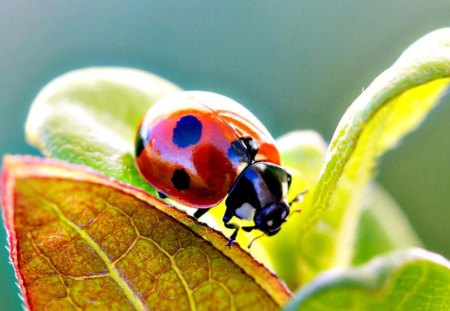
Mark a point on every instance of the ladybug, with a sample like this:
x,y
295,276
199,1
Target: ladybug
x,y
199,147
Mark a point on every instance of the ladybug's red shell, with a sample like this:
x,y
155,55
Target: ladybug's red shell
x,y
189,146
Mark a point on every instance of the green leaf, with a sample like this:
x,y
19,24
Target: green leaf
x,y
404,280
90,116
382,226
79,240
392,106
302,152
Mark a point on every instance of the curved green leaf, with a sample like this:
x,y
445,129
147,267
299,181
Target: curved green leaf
x,y
404,280
89,117
382,226
393,105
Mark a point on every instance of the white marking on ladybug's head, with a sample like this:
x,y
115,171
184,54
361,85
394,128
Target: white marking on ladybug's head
x,y
269,223
283,215
245,211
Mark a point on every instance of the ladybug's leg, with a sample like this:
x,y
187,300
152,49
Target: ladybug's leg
x,y
232,238
248,229
200,212
226,222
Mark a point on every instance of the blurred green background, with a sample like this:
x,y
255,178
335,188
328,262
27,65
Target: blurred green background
x,y
295,64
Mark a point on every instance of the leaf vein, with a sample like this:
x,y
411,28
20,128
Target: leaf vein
x,y
114,273
58,273
162,250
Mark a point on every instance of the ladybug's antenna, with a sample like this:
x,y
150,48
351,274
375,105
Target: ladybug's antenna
x,y
299,197
251,243
298,210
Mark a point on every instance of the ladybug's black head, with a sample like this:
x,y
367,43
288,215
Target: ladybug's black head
x,y
260,194
270,218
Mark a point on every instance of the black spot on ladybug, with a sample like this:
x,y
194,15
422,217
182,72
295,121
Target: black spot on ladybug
x,y
187,132
180,179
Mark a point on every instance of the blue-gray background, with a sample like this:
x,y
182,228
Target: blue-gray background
x,y
295,64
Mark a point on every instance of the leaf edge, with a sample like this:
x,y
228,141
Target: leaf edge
x,y
15,167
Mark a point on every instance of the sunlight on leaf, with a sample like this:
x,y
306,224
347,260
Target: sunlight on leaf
x,y
404,280
80,240
392,106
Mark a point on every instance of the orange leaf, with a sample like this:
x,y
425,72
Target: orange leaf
x,y
80,240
